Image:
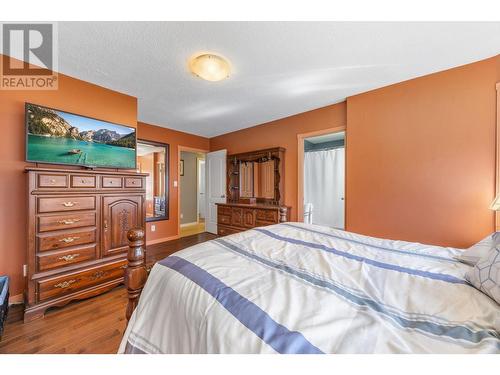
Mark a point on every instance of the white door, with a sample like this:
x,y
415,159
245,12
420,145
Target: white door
x,y
201,188
215,168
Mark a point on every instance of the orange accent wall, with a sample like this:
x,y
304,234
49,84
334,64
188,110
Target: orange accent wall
x,y
283,133
73,95
166,229
421,157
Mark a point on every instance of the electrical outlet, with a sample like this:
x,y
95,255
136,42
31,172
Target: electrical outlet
x,y
182,215
25,270
153,228
175,183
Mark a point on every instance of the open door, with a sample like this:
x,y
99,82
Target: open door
x,y
201,189
215,169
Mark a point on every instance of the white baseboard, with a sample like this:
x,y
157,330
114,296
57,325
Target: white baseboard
x,y
189,224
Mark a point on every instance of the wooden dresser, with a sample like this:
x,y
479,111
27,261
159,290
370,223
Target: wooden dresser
x,y
238,217
77,243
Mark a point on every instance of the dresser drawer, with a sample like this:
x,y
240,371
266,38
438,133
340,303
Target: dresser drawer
x,y
224,219
57,259
66,221
83,181
111,182
62,285
52,180
268,215
133,182
225,231
53,241
224,210
66,204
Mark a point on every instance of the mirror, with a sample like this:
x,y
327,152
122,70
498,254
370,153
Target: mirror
x,y
257,179
152,158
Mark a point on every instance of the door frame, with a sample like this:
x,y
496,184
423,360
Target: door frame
x,y
300,168
497,156
179,150
198,176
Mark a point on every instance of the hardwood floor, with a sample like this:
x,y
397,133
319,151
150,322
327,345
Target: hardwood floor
x,y
94,325
191,229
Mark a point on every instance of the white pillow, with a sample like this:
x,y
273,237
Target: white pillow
x,y
485,275
481,249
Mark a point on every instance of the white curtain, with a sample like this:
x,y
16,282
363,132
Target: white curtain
x,y
324,174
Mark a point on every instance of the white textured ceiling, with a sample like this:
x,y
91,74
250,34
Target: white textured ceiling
x,y
279,68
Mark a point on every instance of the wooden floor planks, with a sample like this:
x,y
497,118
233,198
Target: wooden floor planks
x,y
91,326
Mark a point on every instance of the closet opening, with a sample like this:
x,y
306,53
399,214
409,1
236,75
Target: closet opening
x,y
323,179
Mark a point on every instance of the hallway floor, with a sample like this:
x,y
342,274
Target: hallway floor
x,y
192,229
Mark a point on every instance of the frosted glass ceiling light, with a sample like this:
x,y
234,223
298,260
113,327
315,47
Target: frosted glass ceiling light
x,y
210,67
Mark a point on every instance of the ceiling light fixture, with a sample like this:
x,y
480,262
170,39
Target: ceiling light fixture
x,y
210,67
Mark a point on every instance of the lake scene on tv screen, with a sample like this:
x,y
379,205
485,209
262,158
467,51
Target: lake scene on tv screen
x,y
60,137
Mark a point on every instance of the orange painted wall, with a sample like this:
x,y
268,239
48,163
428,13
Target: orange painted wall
x,y
421,157
73,95
166,229
283,133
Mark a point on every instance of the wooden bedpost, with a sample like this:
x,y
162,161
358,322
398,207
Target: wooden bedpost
x,y
135,273
283,214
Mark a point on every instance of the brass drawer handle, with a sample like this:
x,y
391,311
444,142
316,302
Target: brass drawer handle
x,y
69,257
65,284
53,181
68,239
98,275
123,267
69,204
68,221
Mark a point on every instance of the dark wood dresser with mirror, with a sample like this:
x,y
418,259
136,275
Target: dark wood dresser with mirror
x,y
255,191
77,233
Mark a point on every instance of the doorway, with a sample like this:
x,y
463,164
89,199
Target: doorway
x,y
323,179
192,193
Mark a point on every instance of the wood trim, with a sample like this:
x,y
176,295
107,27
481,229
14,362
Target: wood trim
x,y
163,239
497,154
300,165
16,300
179,150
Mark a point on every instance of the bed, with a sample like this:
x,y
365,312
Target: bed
x,y
300,288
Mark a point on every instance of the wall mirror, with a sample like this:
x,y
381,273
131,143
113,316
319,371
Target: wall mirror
x,y
152,158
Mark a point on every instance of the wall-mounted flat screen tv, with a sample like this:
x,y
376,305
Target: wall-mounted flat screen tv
x,y
59,137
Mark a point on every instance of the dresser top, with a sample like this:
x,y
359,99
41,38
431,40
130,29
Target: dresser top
x,y
87,171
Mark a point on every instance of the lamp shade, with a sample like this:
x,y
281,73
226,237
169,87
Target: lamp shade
x,y
495,205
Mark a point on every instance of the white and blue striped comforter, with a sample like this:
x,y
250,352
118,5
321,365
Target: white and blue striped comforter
x,y
297,288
